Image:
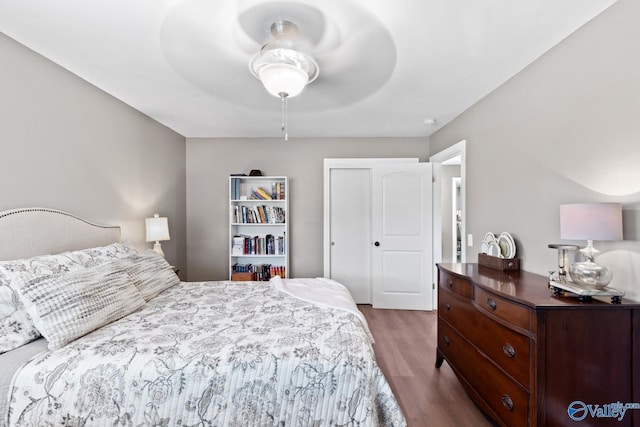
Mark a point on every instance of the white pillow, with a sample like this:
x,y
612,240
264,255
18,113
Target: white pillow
x,y
16,327
103,254
66,306
150,272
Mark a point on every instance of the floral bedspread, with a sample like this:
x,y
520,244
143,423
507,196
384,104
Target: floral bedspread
x,y
211,354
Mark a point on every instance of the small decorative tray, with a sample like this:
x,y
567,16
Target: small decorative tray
x,y
585,294
504,264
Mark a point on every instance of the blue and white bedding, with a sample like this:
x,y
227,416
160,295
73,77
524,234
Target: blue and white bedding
x,y
212,354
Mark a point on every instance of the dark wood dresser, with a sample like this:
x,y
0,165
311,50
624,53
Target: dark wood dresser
x,y
528,358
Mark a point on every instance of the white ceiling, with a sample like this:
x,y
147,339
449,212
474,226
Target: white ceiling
x,y
385,66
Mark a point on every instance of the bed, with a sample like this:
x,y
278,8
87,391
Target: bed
x,y
125,342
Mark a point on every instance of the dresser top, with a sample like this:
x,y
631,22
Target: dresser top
x,y
526,288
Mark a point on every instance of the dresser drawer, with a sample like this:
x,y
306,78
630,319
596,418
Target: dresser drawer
x,y
506,398
455,284
509,350
509,311
457,311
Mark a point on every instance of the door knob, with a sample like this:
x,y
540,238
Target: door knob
x,y
377,244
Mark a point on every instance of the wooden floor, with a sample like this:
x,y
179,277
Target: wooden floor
x,y
406,352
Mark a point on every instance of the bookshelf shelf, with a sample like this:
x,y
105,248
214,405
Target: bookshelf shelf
x,y
258,226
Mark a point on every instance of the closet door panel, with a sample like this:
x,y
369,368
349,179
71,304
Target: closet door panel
x,y
350,211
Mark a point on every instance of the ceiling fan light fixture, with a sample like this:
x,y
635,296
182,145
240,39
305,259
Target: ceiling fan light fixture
x,y
283,70
274,54
283,79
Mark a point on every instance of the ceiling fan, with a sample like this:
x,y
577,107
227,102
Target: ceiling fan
x,y
211,44
282,67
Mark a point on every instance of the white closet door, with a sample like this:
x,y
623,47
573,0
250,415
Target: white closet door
x,y
401,230
350,231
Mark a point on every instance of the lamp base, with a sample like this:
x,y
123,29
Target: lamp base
x,y
591,274
158,249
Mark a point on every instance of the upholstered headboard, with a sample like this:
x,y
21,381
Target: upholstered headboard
x,y
29,232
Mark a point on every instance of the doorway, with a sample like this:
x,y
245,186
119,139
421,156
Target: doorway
x,y
449,205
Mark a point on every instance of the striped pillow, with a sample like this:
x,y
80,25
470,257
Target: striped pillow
x,y
16,327
66,306
150,272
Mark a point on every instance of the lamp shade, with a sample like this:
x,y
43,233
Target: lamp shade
x,y
157,228
283,78
591,221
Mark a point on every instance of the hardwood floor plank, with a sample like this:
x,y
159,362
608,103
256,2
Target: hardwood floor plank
x,y
406,352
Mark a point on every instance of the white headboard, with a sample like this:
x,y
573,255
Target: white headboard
x,y
29,232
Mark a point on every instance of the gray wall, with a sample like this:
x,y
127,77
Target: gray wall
x,y
563,130
210,161
67,145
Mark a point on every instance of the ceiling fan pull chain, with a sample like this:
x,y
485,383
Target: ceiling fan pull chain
x,y
283,97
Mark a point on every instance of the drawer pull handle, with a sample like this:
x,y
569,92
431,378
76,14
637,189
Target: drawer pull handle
x,y
446,341
449,282
507,402
491,304
447,306
509,350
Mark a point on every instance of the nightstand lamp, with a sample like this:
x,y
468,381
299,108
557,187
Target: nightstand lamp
x,y
590,221
157,231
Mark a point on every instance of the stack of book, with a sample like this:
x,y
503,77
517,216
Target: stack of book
x,y
259,214
258,245
261,194
235,188
262,272
278,270
277,190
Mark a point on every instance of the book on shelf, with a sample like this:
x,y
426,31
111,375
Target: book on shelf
x,y
277,190
263,272
262,194
263,218
278,270
235,188
237,245
257,245
259,214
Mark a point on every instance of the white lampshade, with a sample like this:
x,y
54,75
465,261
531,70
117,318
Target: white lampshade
x,y
157,228
281,78
591,221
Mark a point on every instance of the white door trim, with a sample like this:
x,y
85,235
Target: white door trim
x,y
458,149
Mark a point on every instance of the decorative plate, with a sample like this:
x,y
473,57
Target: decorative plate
x,y
489,237
507,245
494,250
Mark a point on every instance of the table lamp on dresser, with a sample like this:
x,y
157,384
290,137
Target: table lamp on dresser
x,y
590,221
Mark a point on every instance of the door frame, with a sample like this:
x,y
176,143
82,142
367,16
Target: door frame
x,y
341,163
457,149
